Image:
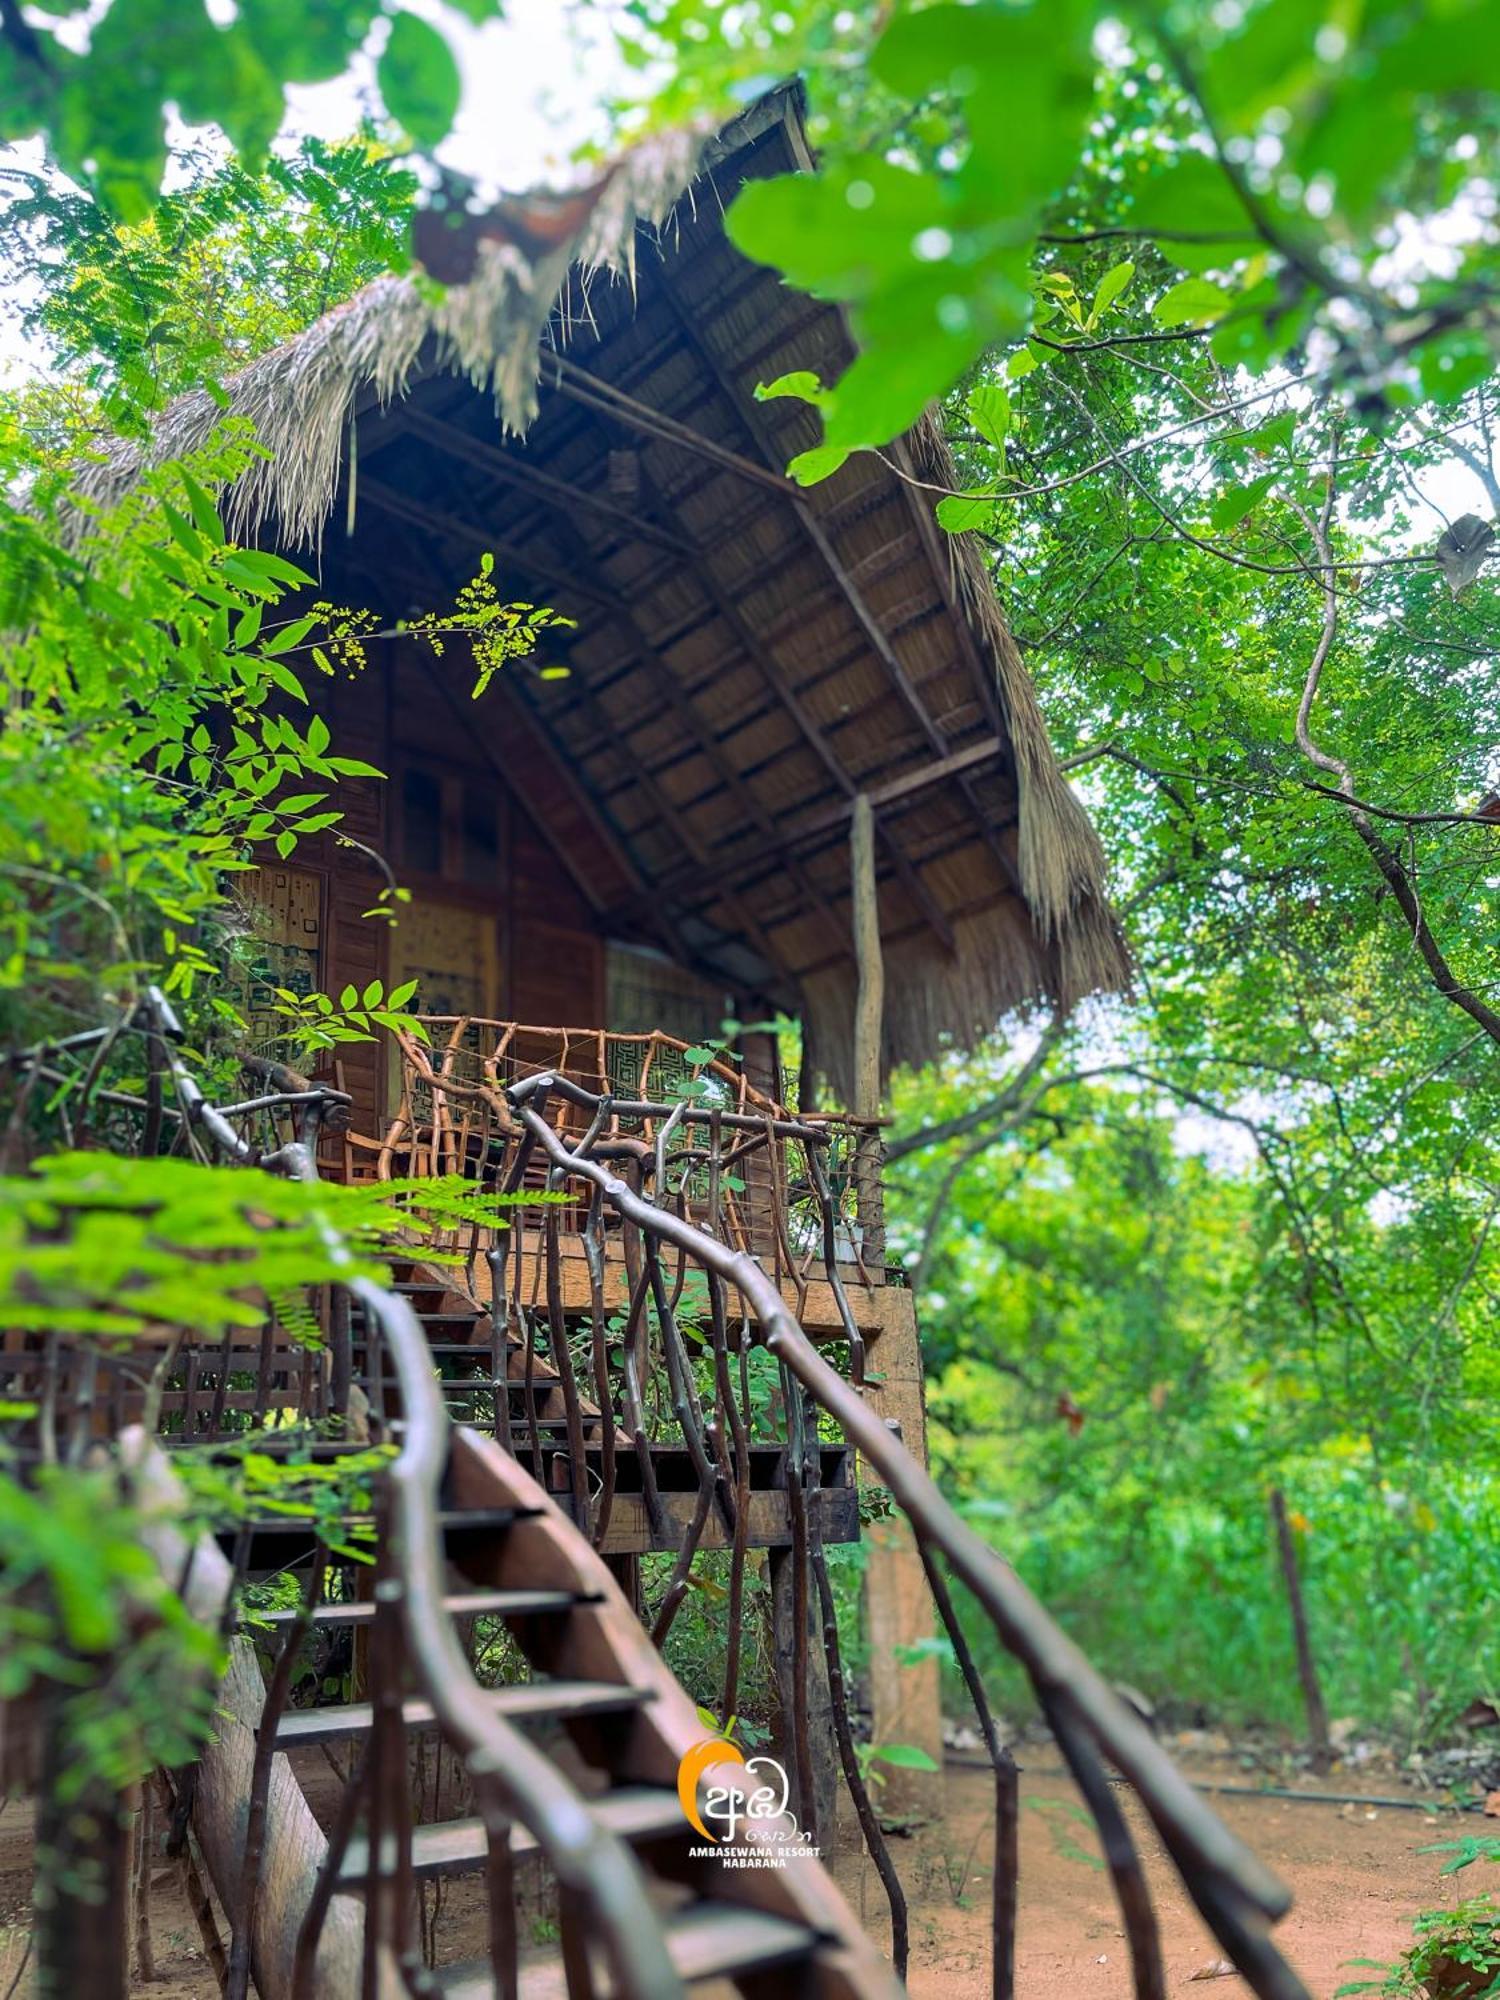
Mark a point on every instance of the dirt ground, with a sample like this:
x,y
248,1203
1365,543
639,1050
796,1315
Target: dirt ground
x,y
1356,1873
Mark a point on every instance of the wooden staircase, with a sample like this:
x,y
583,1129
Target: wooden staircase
x,y
601,1703
475,1373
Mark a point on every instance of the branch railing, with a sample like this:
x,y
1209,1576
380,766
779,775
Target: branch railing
x,y
453,1116
413,1639
1236,1894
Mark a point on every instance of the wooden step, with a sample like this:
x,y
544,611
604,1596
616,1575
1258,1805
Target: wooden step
x,y
462,1604
459,1846
481,1350
434,1318
451,1521
532,1701
705,1941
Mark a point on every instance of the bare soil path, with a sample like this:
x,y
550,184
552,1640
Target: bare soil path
x,y
1356,1874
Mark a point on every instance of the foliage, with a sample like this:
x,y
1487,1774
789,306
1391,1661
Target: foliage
x,y
1267,157
1456,1957
103,109
84,1608
1127,1346
161,734
96,1245
230,1484
226,265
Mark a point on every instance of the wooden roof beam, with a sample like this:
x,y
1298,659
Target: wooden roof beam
x,y
894,795
645,906
671,691
757,429
763,943
514,470
579,386
770,671
419,515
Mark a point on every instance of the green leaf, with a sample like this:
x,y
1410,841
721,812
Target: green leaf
x,y
961,511
1112,286
1277,434
801,383
289,635
905,1757
1191,302
419,80
989,412
820,462
1236,502
205,514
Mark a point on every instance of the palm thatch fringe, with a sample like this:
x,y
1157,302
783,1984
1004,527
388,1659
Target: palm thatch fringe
x,y
301,396
1061,859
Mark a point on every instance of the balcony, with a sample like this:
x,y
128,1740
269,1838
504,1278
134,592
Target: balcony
x,y
801,1193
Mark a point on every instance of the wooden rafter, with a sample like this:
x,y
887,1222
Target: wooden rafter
x,y
896,793
775,679
756,428
671,692
513,470
418,514
761,940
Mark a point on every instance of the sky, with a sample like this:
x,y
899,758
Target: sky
x,y
533,83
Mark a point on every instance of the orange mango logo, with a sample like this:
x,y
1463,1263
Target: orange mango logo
x,y
713,1750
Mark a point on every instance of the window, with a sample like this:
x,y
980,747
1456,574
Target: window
x,y
451,827
422,822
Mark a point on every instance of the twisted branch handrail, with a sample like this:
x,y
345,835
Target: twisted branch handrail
x,y
1237,1895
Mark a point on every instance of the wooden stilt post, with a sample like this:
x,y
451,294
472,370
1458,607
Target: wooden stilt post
x,y
1307,1671
869,1004
898,1607
82,1893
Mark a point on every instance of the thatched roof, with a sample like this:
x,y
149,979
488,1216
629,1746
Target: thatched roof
x,y
747,655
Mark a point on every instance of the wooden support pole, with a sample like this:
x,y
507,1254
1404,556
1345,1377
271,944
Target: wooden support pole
x,y
1307,1671
82,1894
815,1699
869,1005
898,1607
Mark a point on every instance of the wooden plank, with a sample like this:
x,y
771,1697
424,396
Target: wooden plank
x,y
707,1941
461,1846
769,1526
530,1701
459,1604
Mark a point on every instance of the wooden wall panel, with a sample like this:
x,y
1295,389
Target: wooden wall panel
x,y
556,976
548,944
